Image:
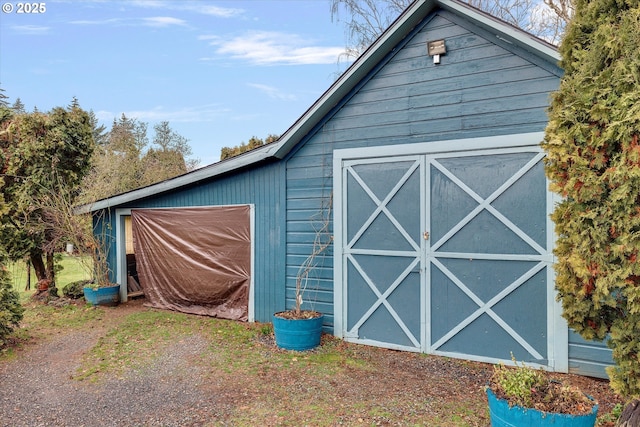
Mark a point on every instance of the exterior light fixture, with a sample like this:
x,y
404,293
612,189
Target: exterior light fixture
x,y
436,48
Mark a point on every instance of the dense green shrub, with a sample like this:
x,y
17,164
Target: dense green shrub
x,y
10,308
75,290
593,161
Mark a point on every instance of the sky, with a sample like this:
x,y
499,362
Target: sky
x,y
219,72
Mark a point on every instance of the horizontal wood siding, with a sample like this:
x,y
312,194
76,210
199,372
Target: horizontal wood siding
x,y
588,357
262,186
308,195
482,87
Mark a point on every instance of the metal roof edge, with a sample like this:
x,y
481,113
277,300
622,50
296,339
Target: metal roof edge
x,y
518,35
397,31
353,75
210,171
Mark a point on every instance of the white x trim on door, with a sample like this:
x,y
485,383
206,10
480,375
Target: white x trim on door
x,y
422,254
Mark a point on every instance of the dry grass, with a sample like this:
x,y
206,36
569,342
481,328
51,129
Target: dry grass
x,y
252,382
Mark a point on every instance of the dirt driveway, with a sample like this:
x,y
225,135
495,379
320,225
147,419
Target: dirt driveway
x,y
188,384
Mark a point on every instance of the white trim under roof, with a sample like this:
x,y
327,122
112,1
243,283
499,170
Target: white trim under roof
x,y
521,37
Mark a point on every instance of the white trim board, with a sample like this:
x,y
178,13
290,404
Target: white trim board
x,y
524,140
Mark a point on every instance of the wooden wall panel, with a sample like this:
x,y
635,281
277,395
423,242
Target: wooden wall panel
x,y
482,87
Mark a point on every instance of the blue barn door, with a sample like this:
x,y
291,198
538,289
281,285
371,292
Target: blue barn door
x,y
488,256
446,253
383,252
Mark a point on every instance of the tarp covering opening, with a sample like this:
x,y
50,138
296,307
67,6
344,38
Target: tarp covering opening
x,y
195,260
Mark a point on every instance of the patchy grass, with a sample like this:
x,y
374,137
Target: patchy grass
x,y
134,343
255,383
41,321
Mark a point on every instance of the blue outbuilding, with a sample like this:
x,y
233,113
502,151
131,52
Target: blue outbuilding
x,y
425,156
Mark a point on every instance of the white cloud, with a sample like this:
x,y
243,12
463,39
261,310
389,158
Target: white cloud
x,y
163,21
273,92
96,22
272,47
200,113
156,21
190,6
30,29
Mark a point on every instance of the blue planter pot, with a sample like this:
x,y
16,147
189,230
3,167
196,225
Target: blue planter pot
x,y
103,296
297,334
502,415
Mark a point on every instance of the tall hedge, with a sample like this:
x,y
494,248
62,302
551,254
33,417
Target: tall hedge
x,y
593,147
11,310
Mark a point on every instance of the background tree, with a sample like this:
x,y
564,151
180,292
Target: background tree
x,y
18,107
593,161
123,160
254,142
116,166
168,156
365,20
40,152
100,134
3,99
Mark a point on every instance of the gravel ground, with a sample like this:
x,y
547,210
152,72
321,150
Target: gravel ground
x,y
37,388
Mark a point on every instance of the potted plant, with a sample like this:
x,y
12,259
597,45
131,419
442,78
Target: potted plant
x,y
100,291
301,329
523,396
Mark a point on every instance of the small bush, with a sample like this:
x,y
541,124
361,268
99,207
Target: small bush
x,y
518,383
532,388
74,290
11,310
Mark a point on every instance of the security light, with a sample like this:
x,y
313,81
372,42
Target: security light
x,y
436,48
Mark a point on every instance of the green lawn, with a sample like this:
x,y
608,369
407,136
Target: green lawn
x,y
72,270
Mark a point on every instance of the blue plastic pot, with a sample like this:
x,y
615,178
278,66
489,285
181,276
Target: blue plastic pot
x,y
109,295
297,334
502,415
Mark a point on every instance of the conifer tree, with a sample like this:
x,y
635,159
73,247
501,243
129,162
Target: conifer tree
x,y
18,107
593,161
3,99
11,311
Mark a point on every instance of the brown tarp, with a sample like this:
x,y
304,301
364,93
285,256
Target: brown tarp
x,y
195,260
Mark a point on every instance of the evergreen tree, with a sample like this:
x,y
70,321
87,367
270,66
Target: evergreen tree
x,y
40,153
74,103
254,142
100,135
593,161
11,311
122,161
18,107
3,99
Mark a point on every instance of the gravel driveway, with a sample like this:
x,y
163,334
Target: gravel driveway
x,y
37,389
181,387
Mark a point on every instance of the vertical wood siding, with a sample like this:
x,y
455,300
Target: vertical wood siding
x,y
262,186
482,87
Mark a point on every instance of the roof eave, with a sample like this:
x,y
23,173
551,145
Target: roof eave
x,y
216,169
411,17
400,28
352,76
508,32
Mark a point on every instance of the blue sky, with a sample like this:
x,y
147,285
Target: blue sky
x,y
219,72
